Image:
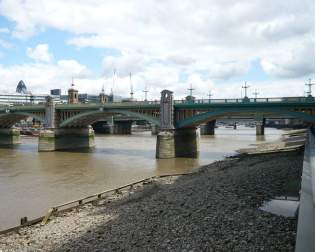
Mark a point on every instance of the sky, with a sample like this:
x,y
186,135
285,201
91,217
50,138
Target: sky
x,y
215,46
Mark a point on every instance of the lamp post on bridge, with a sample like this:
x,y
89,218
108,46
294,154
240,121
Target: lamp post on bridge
x,y
245,99
145,91
309,84
131,88
190,97
210,94
190,89
256,93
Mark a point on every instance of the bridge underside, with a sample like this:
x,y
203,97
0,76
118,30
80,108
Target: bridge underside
x,y
9,120
258,114
85,119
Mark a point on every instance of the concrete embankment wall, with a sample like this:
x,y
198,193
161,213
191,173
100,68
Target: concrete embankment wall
x,y
305,240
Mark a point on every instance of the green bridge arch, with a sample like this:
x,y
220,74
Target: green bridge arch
x,y
72,119
206,116
20,115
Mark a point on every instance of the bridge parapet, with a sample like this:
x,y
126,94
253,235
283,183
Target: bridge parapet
x,y
249,100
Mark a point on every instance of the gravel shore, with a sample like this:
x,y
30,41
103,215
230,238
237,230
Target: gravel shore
x,y
214,209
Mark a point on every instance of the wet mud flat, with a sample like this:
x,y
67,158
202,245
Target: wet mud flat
x,y
214,209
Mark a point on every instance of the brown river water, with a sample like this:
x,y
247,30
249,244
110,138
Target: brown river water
x,y
31,182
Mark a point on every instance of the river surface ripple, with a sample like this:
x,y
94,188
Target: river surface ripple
x,y
31,182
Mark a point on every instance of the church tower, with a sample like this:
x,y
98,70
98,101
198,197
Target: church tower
x,y
103,96
73,95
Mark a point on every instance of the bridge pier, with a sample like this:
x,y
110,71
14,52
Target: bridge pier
x,y
186,142
208,128
122,127
66,139
260,127
154,129
9,136
101,127
165,144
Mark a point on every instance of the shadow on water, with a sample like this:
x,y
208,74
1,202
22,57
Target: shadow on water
x,y
9,146
283,207
261,138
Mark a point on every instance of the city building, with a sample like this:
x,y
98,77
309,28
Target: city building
x,y
73,95
21,88
55,92
23,96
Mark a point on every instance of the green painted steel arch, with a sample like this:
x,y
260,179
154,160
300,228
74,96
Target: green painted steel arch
x,y
25,114
72,119
204,117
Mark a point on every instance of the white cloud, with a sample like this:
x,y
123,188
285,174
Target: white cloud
x,y
124,64
228,70
40,53
160,41
41,77
296,60
74,68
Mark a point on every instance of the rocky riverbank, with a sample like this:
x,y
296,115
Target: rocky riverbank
x,y
214,209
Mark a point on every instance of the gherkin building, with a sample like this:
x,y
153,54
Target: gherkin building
x,y
21,87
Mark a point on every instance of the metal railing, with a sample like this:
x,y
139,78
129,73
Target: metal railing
x,y
178,102
249,100
213,101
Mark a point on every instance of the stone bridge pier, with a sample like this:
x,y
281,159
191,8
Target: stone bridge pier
x,y
260,126
66,139
122,127
186,142
173,142
154,129
9,136
208,128
55,138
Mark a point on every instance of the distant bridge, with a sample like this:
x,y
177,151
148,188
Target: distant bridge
x,y
176,119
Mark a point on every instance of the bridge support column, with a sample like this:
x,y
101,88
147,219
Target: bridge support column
x,y
47,140
165,141
9,136
260,127
208,128
66,139
101,127
122,127
186,142
165,144
154,129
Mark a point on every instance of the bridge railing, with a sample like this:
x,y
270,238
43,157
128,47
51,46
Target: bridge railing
x,y
251,100
220,101
184,101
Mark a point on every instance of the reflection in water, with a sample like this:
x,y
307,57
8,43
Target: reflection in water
x,y
287,208
260,138
31,182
